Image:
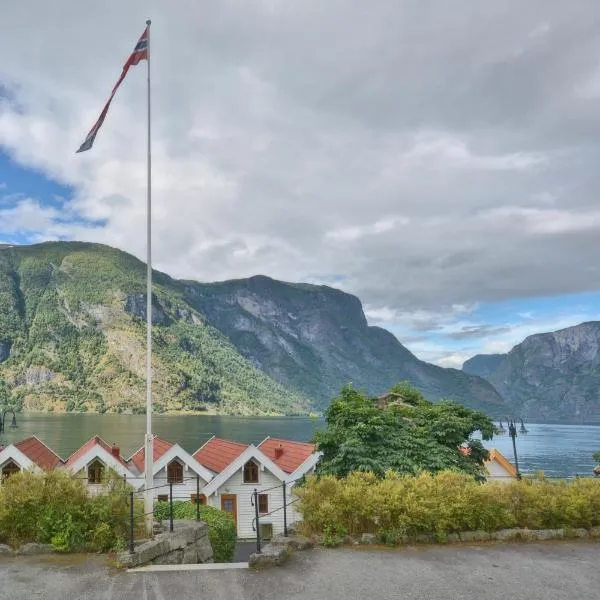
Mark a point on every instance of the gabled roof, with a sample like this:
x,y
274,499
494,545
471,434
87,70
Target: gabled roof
x,y
159,447
286,454
217,454
497,456
89,445
251,452
177,452
37,452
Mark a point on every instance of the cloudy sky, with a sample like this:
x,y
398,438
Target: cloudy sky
x,y
441,160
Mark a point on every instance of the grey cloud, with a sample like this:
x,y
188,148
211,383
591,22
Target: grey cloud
x,y
277,123
477,331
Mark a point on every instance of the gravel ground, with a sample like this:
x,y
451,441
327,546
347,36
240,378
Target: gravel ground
x,y
543,571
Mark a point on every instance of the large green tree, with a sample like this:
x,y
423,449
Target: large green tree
x,y
408,434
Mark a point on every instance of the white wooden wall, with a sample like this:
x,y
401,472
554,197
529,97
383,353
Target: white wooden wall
x,y
245,510
181,491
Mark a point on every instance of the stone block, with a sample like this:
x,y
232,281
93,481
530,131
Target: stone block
x,y
368,538
190,556
474,536
189,539
297,542
271,556
506,535
204,550
4,549
544,534
453,538
172,558
595,532
34,548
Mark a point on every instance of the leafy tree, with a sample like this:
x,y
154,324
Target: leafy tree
x,y
596,456
408,435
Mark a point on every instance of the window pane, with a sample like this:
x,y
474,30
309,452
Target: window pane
x,y
263,503
250,472
228,505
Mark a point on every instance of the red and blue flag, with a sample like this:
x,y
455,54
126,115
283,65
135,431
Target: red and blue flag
x,y
140,52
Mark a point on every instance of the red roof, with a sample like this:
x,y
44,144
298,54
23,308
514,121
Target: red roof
x,y
217,454
95,441
159,447
34,449
287,455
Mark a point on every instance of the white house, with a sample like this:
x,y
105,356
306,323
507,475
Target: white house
x,y
499,468
93,462
172,465
265,469
30,454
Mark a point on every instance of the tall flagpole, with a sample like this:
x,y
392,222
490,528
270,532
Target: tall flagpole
x,y
149,479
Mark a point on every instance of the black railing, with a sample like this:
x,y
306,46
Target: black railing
x,y
254,500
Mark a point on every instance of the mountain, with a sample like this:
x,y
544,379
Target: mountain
x,y
72,338
549,376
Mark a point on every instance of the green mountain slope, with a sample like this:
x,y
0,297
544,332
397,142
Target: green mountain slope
x,y
316,339
549,376
72,337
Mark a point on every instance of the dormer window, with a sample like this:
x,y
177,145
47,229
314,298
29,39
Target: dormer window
x,y
95,472
175,472
250,472
10,468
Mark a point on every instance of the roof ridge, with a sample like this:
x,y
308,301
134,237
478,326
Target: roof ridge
x,y
206,442
43,444
94,437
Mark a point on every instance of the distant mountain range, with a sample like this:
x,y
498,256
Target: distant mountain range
x,y
549,376
72,338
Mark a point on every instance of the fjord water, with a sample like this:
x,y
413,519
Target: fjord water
x,y
558,450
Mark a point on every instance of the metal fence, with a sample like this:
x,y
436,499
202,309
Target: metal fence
x,y
284,507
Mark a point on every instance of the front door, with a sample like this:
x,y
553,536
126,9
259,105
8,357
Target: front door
x,y
229,505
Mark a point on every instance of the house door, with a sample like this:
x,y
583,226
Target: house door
x,y
229,505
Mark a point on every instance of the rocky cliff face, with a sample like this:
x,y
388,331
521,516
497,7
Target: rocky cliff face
x,y
316,339
549,376
72,338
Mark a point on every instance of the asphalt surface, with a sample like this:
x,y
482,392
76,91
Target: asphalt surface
x,y
548,571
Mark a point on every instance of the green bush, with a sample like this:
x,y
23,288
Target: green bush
x,y
222,532
54,508
448,502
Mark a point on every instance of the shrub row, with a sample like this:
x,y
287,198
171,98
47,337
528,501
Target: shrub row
x,y
222,531
53,508
447,502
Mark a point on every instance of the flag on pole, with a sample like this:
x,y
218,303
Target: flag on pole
x,y
140,52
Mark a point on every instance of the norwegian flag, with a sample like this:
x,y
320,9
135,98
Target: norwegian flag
x,y
140,52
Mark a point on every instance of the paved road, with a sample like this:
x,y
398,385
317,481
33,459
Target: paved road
x,y
549,571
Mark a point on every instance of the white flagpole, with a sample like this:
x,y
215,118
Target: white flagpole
x,y
149,479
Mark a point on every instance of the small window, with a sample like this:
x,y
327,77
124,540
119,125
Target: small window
x,y
175,472
95,472
263,503
10,468
250,472
163,497
194,499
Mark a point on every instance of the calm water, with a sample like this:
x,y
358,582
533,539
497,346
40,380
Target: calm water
x,y
558,450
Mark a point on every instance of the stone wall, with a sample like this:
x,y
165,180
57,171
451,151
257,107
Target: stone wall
x,y
188,544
